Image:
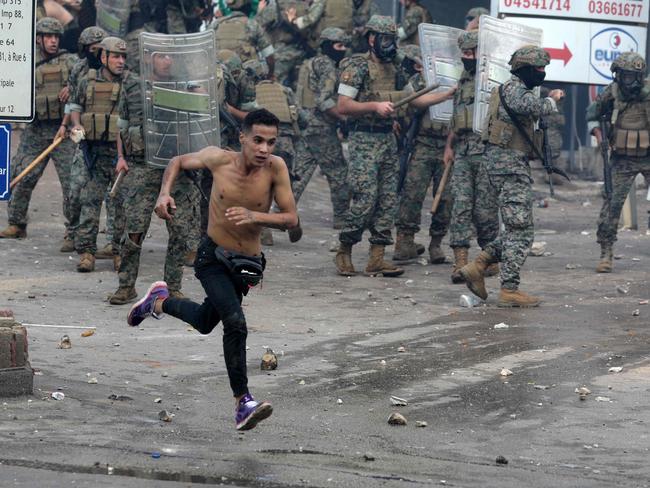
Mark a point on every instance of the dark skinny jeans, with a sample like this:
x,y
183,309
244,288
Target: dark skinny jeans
x,y
223,303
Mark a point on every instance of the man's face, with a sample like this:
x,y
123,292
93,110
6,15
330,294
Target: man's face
x,y
49,43
115,62
162,65
468,54
339,46
93,48
258,144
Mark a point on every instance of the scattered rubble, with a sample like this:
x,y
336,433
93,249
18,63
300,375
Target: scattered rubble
x,y
397,419
269,360
64,343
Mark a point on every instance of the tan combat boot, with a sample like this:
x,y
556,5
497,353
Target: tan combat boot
x,y
343,260
460,260
492,270
474,273
377,266
405,247
436,256
86,263
266,237
516,298
13,232
105,252
123,295
606,255
67,245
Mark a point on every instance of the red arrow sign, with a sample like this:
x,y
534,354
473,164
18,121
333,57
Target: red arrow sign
x,y
564,54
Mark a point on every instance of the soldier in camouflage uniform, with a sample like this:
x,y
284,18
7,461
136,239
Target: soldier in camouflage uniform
x,y
472,16
474,205
366,93
94,112
508,171
141,187
414,15
52,93
317,94
625,106
425,167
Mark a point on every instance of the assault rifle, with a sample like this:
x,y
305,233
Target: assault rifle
x,y
604,149
408,147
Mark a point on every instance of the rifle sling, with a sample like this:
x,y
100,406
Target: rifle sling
x,y
43,61
517,124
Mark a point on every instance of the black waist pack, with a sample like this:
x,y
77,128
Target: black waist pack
x,y
246,271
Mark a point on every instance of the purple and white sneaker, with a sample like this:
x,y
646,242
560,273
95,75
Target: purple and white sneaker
x,y
249,412
143,308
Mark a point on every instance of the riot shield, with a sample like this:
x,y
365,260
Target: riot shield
x,y
113,16
441,63
497,40
181,109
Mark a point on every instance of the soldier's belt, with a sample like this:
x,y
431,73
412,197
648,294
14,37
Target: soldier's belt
x,y
373,129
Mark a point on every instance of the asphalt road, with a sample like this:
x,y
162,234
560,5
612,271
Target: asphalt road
x,y
338,339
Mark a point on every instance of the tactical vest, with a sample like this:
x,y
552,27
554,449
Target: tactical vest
x,y
463,119
631,123
380,87
279,31
304,94
270,95
337,13
415,38
505,134
51,78
99,118
230,33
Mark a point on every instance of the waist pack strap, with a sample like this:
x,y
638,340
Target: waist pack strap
x,y
247,271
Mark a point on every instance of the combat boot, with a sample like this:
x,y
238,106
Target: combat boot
x,y
377,266
266,237
14,232
123,295
405,247
295,234
343,260
67,245
474,273
516,298
86,263
460,260
436,256
105,252
492,270
606,255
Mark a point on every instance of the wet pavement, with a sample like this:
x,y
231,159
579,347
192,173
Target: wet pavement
x,y
338,339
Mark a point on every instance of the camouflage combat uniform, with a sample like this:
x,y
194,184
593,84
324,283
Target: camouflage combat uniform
x,y
320,145
413,16
51,76
322,14
242,35
628,116
141,188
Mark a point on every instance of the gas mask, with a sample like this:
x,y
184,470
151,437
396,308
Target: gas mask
x,y
469,64
328,49
630,82
385,47
531,76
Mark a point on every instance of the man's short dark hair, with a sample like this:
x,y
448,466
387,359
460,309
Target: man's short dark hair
x,y
260,117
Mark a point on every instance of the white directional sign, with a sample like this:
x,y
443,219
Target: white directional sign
x,y
582,52
17,60
634,11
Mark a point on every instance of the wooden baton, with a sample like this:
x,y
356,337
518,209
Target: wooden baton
x,y
415,95
36,161
116,185
441,188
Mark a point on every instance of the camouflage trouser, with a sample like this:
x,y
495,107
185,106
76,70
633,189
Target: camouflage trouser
x,y
373,176
327,154
93,188
287,57
624,171
141,188
510,183
34,140
474,203
425,166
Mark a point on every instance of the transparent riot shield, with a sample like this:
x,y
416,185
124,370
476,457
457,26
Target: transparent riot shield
x,y
497,40
113,16
181,110
442,64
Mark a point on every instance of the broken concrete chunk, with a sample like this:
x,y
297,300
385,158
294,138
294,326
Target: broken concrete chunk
x,y
398,402
397,419
269,360
421,423
615,369
538,249
64,343
505,372
502,325
165,416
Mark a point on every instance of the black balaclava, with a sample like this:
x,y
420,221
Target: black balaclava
x,y
408,65
469,64
385,47
630,82
328,49
531,76
93,59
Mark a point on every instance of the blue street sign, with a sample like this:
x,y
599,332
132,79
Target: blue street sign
x,y
5,157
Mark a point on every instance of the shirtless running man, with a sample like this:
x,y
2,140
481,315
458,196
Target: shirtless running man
x,y
229,260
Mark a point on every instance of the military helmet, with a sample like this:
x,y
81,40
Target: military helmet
x,y
230,59
476,12
91,35
335,34
629,61
113,45
529,56
256,69
412,52
381,24
49,25
468,40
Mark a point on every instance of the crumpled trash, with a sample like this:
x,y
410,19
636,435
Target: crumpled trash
x,y
636,313
469,301
421,423
537,249
397,419
623,290
398,402
64,343
501,325
87,333
92,381
401,349
269,360
165,416
615,369
57,395
583,391
506,372
603,399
